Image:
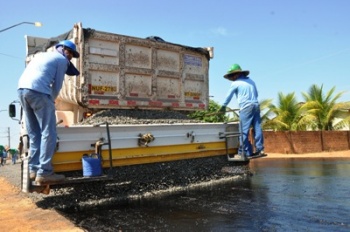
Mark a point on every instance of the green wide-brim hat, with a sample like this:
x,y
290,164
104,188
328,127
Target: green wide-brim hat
x,y
235,68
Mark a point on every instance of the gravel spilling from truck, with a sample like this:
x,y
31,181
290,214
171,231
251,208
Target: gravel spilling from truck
x,y
137,182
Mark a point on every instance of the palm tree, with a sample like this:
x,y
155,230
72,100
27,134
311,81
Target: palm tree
x,y
287,114
322,109
265,112
344,114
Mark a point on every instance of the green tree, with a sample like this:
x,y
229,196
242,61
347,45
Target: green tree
x,y
210,115
321,109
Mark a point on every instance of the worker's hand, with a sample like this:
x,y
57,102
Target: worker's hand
x,y
222,109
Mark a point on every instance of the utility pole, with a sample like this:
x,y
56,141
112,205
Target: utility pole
x,y
9,137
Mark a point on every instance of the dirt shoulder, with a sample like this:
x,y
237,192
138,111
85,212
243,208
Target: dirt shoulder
x,y
20,213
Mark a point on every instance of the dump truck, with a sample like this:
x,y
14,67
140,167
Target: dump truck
x,y
119,72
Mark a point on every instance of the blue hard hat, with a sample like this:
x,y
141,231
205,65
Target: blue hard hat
x,y
70,45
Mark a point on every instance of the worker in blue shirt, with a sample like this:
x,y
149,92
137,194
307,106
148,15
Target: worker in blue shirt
x,y
38,88
246,93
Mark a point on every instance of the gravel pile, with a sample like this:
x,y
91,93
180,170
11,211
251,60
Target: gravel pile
x,y
115,117
139,182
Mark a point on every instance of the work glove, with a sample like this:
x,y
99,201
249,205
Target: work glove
x,y
222,109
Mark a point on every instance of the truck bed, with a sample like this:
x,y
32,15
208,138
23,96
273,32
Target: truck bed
x,y
125,72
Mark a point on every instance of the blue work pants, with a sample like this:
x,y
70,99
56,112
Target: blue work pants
x,y
40,120
250,116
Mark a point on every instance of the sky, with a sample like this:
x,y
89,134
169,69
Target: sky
x,y
286,45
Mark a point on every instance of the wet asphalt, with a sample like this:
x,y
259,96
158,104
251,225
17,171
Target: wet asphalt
x,y
277,195
281,195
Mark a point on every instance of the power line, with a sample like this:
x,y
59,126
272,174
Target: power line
x,y
11,56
